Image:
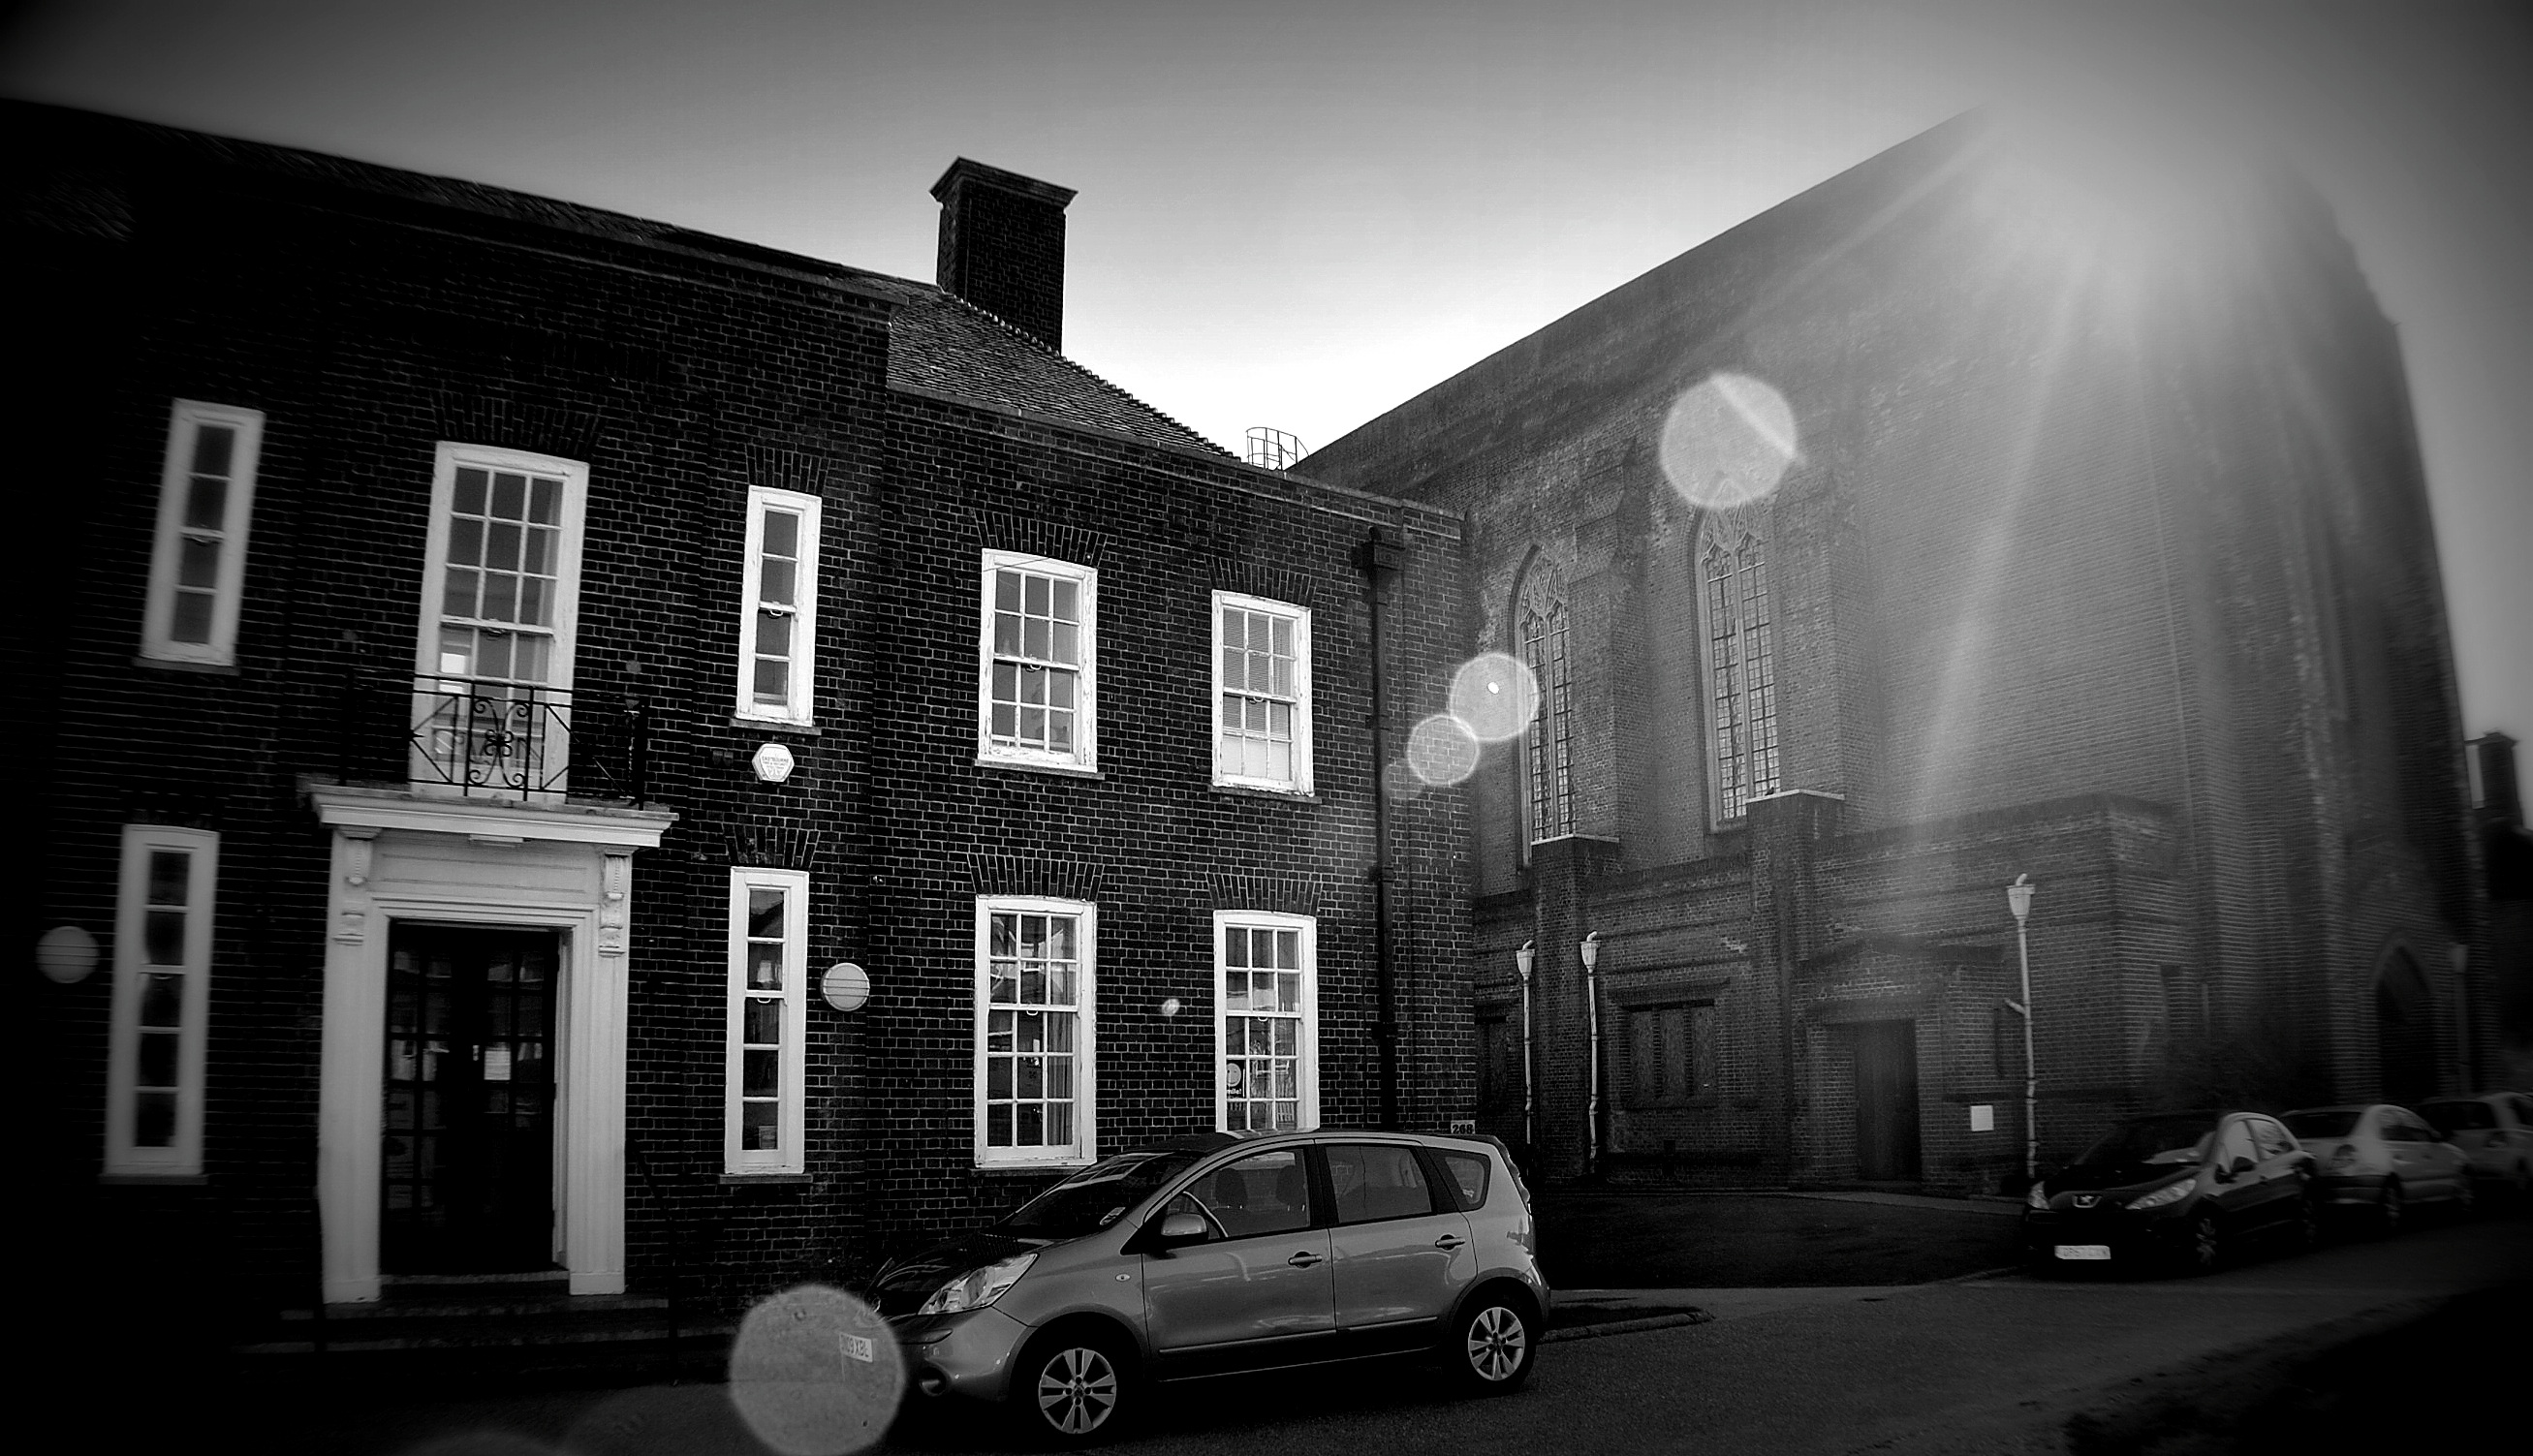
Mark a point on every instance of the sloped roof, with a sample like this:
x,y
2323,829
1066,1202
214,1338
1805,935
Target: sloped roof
x,y
939,344
943,345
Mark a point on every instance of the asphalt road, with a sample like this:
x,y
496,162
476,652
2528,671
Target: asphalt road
x,y
1996,1365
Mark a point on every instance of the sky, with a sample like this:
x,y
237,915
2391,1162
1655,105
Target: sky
x,y
1301,215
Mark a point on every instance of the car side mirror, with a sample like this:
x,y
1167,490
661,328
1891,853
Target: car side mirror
x,y
1182,1228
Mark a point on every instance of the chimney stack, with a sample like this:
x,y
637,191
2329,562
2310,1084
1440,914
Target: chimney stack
x,y
2498,800
1002,245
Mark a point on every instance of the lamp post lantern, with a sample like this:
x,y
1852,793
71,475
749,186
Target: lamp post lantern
x,y
2018,899
1522,959
1591,948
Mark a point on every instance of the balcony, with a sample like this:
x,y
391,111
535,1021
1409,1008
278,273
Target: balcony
x,y
459,738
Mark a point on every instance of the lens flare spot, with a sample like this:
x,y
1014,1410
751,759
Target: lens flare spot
x,y
815,1373
1727,441
1401,781
1494,696
1169,1006
1441,750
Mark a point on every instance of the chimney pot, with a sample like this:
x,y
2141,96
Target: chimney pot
x,y
1002,245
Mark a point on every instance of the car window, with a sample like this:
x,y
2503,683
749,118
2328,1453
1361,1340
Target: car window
x,y
1266,1192
1373,1182
1468,1171
2329,1122
2523,1111
2234,1142
2458,1117
2271,1139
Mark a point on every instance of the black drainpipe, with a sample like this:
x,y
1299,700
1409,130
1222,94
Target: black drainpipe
x,y
1378,560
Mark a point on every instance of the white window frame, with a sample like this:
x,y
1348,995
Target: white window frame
x,y
1300,616
793,1076
799,705
1085,757
185,422
569,520
1306,1075
183,1156
1085,1042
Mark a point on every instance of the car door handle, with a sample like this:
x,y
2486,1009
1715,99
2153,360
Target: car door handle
x,y
1448,1240
1304,1260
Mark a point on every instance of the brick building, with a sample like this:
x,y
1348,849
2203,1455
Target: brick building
x,y
498,656
1988,510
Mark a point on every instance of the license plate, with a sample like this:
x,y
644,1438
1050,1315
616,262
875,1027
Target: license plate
x,y
2085,1250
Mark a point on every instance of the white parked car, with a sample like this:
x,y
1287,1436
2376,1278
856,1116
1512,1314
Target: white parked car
x,y
2382,1159
2494,1131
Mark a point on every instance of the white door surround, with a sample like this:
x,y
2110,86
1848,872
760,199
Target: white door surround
x,y
396,857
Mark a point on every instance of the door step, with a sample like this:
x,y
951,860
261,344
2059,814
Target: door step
x,y
521,1326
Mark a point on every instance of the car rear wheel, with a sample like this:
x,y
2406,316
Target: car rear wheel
x,y
2306,1231
1070,1389
2387,1209
1494,1344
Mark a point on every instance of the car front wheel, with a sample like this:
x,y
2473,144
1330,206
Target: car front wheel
x,y
2207,1244
1494,1345
2466,1196
1070,1390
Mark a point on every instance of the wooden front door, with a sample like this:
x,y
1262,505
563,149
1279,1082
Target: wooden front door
x,y
468,1158
1886,1101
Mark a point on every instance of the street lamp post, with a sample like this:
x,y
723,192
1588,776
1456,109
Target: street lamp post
x,y
1522,958
2018,899
1592,1010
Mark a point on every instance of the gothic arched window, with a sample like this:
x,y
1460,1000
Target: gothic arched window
x,y
1741,672
1540,624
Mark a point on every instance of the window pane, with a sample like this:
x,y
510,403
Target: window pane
x,y
153,1120
510,496
765,966
760,1126
774,584
207,502
760,1071
469,493
199,563
537,550
781,534
158,1064
192,619
764,1022
214,446
1068,600
1034,595
169,871
1006,591
764,913
163,1000
545,507
502,547
162,937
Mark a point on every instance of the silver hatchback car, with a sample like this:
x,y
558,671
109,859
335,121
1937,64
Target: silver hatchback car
x,y
1217,1253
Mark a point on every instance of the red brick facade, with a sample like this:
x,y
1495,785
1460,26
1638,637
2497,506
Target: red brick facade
x,y
371,315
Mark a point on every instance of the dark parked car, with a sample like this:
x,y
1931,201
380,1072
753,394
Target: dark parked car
x,y
2182,1187
1221,1252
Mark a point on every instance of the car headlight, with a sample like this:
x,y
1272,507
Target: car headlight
x,y
2038,1198
2170,1194
977,1288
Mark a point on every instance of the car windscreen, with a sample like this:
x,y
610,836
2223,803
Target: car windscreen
x,y
2458,1117
2155,1139
2337,1122
1094,1197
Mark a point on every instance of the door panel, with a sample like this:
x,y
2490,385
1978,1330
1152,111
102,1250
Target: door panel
x,y
467,1157
1400,1264
1886,1100
1261,1290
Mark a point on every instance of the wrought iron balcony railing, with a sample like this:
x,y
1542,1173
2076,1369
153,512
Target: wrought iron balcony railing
x,y
473,738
